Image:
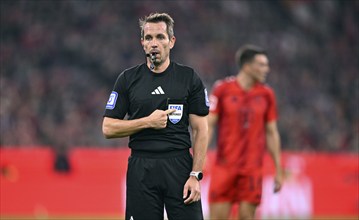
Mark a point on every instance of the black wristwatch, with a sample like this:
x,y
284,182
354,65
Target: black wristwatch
x,y
197,174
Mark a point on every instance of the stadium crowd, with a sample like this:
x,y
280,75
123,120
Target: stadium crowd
x,y
59,59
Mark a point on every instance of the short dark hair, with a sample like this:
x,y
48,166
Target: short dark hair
x,y
155,18
246,54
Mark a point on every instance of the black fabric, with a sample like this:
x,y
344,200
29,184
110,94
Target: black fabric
x,y
154,182
180,85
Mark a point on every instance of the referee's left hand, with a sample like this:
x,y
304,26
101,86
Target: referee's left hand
x,y
192,190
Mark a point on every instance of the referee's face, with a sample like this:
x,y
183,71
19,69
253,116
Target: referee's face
x,y
156,40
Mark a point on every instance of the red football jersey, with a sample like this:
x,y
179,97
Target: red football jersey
x,y
242,116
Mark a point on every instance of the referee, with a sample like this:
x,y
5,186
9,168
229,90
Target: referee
x,y
161,99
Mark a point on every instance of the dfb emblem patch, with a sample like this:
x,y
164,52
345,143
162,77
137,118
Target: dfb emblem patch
x,y
176,116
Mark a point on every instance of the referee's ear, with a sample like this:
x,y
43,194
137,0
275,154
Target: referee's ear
x,y
172,42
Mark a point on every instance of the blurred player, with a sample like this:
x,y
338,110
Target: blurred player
x,y
244,110
161,98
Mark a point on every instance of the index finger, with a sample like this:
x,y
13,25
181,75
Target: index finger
x,y
169,111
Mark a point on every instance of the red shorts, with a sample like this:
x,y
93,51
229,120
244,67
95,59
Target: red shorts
x,y
228,184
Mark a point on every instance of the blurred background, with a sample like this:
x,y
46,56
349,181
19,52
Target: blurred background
x,y
59,61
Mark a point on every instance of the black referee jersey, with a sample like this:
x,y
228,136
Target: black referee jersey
x,y
138,92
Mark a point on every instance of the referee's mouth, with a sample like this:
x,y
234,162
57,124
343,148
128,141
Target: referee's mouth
x,y
154,52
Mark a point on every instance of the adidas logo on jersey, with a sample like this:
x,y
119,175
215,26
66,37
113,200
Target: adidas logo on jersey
x,y
158,91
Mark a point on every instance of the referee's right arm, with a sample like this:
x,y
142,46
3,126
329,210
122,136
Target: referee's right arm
x,y
117,128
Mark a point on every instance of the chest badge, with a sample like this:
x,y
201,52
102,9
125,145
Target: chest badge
x,y
176,116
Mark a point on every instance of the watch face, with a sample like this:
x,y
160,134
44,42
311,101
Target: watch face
x,y
200,176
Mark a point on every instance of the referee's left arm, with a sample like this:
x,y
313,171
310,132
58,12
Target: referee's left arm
x,y
199,127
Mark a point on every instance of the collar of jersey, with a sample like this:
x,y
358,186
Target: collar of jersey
x,y
169,68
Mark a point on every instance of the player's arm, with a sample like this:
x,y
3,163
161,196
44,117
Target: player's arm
x,y
199,127
212,121
274,148
116,128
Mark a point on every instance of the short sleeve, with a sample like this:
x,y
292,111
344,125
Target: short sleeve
x,y
198,102
117,104
272,107
214,98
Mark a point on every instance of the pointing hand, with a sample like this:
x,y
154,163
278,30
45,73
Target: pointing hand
x,y
158,118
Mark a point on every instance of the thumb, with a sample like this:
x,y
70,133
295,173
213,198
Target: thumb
x,y
277,186
185,191
169,111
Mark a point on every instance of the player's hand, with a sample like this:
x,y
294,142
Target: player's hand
x,y
158,118
192,190
278,182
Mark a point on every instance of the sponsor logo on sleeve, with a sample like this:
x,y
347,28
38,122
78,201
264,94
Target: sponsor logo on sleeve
x,y
213,100
111,103
206,97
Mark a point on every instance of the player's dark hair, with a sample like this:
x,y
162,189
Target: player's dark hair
x,y
156,18
246,54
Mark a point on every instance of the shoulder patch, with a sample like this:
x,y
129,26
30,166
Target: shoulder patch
x,y
111,103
